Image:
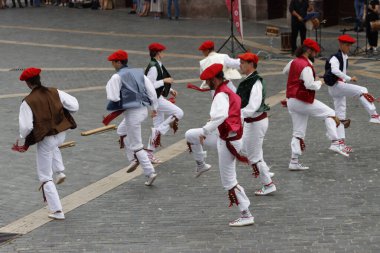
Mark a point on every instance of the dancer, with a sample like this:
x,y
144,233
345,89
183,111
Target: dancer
x,y
300,92
254,113
44,118
337,80
162,81
225,119
130,90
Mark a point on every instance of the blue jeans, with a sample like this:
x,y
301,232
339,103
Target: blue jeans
x,y
359,9
176,8
36,3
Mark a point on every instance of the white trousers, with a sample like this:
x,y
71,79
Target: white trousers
x,y
300,112
252,147
131,126
165,108
339,92
227,162
49,160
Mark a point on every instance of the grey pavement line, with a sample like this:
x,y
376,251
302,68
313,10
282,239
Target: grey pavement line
x,y
38,218
102,87
91,69
13,42
133,35
92,88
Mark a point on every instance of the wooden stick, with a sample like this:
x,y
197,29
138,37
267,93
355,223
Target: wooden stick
x,y
67,144
99,130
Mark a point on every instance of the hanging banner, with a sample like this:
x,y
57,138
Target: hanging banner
x,y
236,15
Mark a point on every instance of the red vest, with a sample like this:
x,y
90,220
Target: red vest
x,y
233,122
295,87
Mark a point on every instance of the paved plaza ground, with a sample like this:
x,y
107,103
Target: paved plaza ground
x,y
333,207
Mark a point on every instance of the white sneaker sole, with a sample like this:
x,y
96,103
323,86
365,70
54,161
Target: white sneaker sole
x,y
150,181
260,193
207,168
241,224
338,151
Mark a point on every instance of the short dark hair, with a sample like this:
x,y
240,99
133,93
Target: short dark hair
x,y
220,75
301,50
35,81
153,53
124,62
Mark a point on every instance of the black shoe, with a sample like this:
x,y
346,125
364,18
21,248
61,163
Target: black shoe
x,y
176,18
132,12
170,18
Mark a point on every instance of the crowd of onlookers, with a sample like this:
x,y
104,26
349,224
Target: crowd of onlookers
x,y
140,7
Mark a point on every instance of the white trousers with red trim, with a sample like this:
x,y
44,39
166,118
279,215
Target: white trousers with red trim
x,y
300,112
131,126
49,161
227,161
339,92
165,109
252,147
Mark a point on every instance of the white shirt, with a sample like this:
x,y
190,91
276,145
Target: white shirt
x,y
114,85
335,68
218,113
306,75
25,118
152,75
254,103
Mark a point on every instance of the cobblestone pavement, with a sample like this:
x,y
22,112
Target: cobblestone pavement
x,y
333,207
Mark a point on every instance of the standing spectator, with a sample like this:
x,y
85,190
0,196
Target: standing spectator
x,y
19,4
156,7
298,9
372,14
176,9
134,7
26,3
359,11
146,8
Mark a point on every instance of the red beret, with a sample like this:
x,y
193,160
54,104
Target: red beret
x,y
250,57
207,45
119,55
156,47
312,45
29,73
211,71
345,38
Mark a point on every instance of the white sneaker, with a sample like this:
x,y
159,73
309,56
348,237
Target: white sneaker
x,y
375,119
133,166
200,171
150,179
57,216
266,190
338,149
242,221
271,174
60,178
297,166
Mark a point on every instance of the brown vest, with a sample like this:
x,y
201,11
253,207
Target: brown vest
x,y
49,116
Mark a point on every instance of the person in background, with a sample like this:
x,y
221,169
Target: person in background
x,y
176,9
371,14
146,8
156,7
359,11
298,9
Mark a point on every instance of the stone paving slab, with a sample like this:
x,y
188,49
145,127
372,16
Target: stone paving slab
x,y
333,207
